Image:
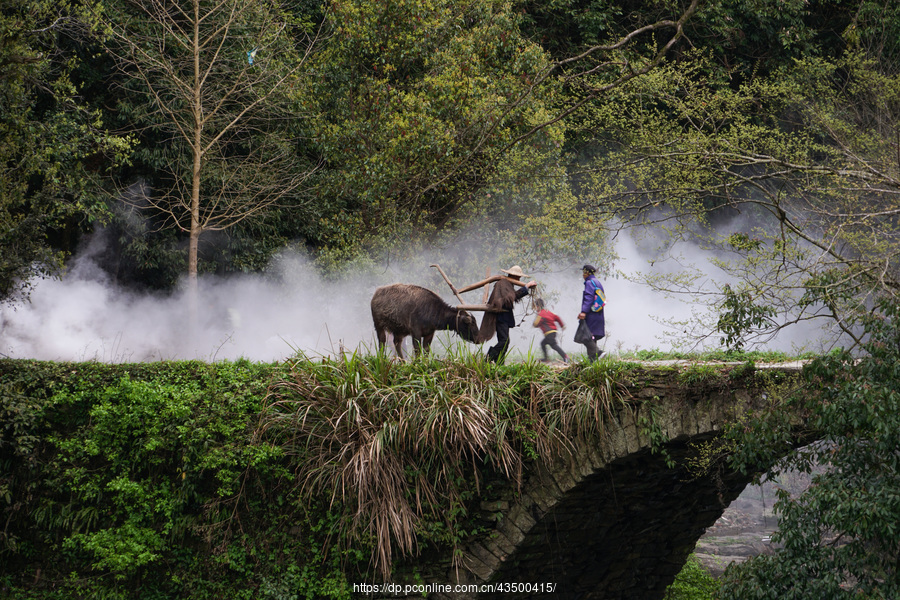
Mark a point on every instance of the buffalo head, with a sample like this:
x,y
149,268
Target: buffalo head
x,y
467,326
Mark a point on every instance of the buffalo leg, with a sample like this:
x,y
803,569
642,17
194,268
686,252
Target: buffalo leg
x,y
423,343
398,345
426,341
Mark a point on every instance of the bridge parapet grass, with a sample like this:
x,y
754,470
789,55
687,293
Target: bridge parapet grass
x,y
239,479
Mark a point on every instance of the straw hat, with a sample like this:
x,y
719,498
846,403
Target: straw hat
x,y
515,271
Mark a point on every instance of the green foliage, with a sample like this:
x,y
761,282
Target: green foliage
x,y
124,477
839,538
400,443
419,104
767,356
693,582
426,118
740,316
709,457
649,427
749,37
162,476
268,481
876,30
689,149
50,141
700,375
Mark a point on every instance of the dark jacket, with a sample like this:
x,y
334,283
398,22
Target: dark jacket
x,y
507,315
503,297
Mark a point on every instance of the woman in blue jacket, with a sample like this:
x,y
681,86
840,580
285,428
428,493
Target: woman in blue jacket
x,y
592,305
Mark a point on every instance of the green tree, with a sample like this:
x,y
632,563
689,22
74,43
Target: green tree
x,y
739,317
743,36
50,142
418,102
839,538
693,583
434,115
793,179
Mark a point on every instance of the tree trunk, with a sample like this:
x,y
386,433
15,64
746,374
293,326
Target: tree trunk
x,y
196,227
193,251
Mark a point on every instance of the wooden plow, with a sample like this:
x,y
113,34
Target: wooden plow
x,y
484,305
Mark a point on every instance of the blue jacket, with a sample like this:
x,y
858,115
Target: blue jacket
x,y
596,321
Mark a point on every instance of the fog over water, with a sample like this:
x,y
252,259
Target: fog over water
x,y
85,316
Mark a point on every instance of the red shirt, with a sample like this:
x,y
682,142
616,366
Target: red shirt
x,y
547,321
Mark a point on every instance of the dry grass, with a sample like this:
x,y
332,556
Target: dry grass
x,y
394,443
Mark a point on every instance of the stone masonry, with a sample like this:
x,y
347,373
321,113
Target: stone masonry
x,y
613,521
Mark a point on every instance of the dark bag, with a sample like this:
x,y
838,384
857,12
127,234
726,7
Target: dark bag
x,y
583,334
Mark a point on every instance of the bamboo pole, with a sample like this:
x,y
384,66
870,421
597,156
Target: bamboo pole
x,y
447,279
490,279
475,286
477,307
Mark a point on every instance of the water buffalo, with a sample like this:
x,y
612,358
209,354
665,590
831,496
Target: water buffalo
x,y
403,309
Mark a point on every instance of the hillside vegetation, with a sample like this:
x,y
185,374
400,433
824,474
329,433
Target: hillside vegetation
x,y
245,480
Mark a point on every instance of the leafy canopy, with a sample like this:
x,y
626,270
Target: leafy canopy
x,y
50,141
418,103
839,539
791,180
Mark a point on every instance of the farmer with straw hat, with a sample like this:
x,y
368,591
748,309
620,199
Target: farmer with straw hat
x,y
503,297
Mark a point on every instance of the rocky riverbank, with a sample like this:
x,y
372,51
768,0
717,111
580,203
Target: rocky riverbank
x,y
744,529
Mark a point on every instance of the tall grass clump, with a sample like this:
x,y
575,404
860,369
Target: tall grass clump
x,y
400,444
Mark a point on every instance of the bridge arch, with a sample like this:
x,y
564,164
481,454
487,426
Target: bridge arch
x,y
614,521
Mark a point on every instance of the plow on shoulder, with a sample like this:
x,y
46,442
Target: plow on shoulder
x,y
481,284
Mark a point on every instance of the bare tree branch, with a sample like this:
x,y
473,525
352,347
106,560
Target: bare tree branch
x,y
227,110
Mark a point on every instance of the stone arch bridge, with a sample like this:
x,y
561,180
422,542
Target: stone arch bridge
x,y
615,521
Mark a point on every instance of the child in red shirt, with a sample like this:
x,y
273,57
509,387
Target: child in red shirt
x,y
547,321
